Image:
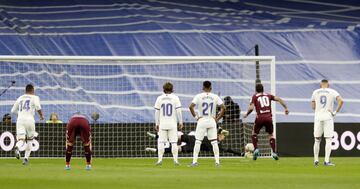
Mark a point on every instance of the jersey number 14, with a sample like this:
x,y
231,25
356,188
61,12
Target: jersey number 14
x,y
24,105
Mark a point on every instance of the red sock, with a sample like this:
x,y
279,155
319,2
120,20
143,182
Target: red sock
x,y
273,144
68,154
254,141
87,154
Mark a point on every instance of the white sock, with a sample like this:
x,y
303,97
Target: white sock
x,y
316,149
196,151
28,149
174,151
20,144
161,150
327,149
216,151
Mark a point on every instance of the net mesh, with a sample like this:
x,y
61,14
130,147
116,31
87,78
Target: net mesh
x,y
123,92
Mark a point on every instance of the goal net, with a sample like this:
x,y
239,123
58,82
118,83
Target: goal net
x,y
123,90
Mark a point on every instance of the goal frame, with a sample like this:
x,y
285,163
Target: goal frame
x,y
159,59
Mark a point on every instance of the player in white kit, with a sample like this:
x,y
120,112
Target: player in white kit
x,y
206,117
25,107
323,100
167,116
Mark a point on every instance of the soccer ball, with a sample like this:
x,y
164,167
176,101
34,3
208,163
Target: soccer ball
x,y
249,155
249,147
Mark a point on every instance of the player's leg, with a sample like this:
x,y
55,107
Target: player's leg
x,y
318,131
254,137
269,128
20,137
173,138
85,135
163,138
199,136
30,135
70,139
328,134
212,136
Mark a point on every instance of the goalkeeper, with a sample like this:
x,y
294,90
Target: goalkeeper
x,y
186,143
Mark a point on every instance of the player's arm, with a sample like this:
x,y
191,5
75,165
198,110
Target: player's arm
x,y
283,104
38,108
192,111
41,114
340,103
157,119
221,113
313,104
179,114
250,109
157,114
15,108
192,107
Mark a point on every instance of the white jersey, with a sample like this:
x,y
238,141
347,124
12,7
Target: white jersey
x,y
324,99
25,107
168,104
206,104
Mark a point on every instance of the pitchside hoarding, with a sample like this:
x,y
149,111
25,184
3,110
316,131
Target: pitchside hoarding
x,y
296,139
109,140
130,140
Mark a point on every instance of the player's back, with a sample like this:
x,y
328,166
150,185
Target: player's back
x,y
206,104
167,104
25,106
262,103
324,99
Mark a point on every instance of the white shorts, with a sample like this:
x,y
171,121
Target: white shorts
x,y
206,127
166,135
324,127
25,129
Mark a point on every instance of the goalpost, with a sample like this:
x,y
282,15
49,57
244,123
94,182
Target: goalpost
x,y
123,89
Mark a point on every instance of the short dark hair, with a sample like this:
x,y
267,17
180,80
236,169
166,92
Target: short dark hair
x,y
168,87
6,116
207,84
324,81
259,88
29,88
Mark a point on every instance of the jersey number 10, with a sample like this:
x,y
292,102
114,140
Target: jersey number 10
x,y
167,109
264,101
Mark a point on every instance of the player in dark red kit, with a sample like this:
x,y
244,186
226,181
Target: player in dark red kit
x,y
78,125
262,103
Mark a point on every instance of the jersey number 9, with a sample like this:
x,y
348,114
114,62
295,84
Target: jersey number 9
x,y
323,101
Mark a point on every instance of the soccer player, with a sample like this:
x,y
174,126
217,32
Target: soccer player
x,y
206,103
167,115
322,101
261,101
78,125
25,107
186,143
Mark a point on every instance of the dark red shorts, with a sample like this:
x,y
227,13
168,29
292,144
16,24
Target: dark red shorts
x,y
78,126
266,122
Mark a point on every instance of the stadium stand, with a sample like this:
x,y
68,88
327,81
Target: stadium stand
x,y
308,46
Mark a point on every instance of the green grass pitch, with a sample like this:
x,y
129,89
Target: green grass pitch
x,y
289,173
